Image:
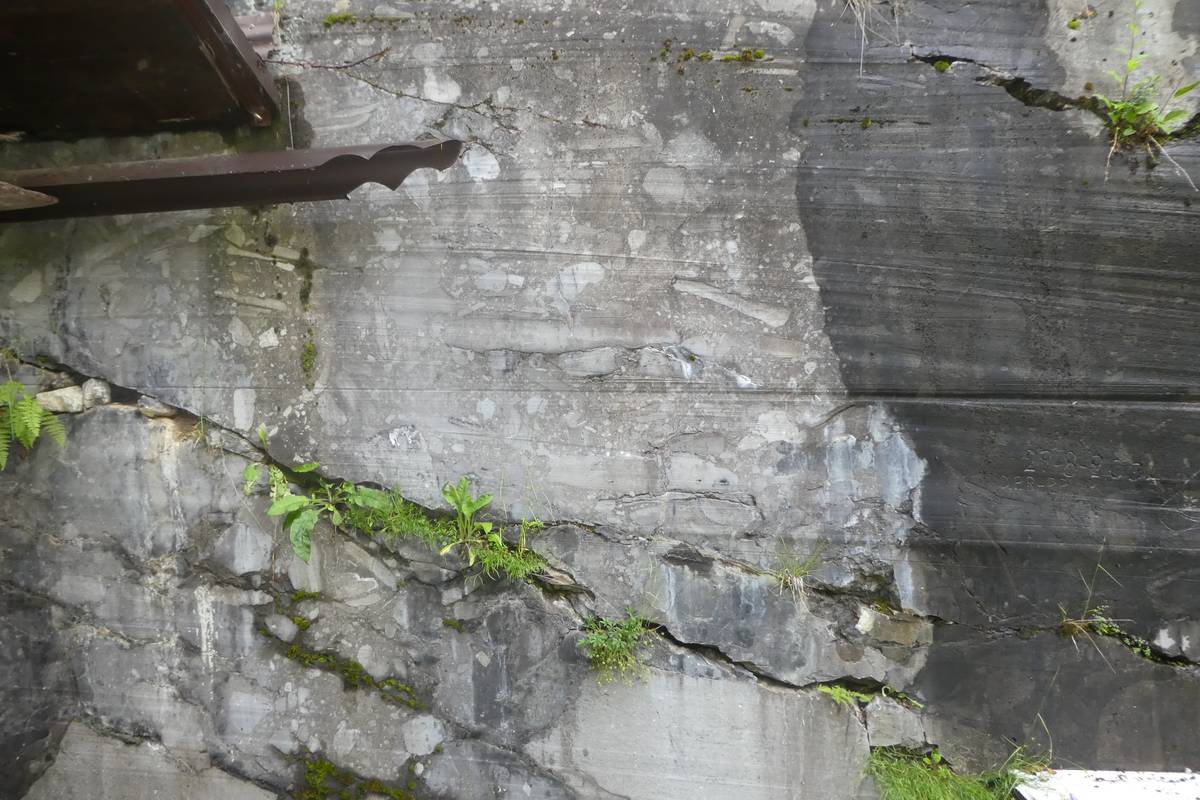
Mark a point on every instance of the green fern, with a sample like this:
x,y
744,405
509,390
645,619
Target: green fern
x,y
22,420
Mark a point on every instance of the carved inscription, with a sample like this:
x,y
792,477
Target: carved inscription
x,y
1054,468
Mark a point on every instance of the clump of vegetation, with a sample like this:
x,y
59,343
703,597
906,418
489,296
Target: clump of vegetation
x,y
612,645
480,543
323,780
301,512
746,56
397,518
354,675
941,65
791,570
902,775
308,360
23,421
340,18
1137,119
1093,620
387,514
844,696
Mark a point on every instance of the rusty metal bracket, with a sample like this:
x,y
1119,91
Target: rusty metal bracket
x,y
288,176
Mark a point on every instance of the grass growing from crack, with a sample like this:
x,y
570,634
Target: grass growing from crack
x,y
901,775
612,645
791,570
1093,620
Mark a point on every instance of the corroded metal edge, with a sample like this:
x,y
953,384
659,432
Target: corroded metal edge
x,y
287,176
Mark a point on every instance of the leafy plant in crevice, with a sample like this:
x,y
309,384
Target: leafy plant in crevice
x,y
301,512
903,775
376,512
1138,118
612,645
23,420
479,542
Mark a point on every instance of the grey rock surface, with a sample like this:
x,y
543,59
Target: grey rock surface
x,y
92,765
883,324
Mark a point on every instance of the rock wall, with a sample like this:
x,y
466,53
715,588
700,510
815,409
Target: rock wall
x,y
873,300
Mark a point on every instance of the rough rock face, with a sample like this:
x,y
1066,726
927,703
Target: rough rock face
x,y
701,316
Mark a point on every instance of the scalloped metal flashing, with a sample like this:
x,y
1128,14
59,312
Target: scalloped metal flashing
x,y
252,179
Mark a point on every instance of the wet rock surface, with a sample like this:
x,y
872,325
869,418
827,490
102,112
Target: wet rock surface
x,y
886,326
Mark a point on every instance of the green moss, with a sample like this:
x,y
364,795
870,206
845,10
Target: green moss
x,y
519,21
941,65
705,56
340,18
301,622
759,55
354,675
324,780
866,123
301,595
308,360
453,624
305,267
1073,24
687,54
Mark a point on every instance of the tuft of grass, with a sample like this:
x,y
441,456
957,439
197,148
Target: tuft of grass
x,y
901,775
398,518
611,646
791,570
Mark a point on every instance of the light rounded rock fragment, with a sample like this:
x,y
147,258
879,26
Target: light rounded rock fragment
x,y
96,393
62,401
149,407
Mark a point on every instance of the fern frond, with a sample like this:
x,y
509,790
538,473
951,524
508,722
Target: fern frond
x,y
5,435
53,427
9,392
26,421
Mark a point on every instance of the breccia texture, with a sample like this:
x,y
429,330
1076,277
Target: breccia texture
x,y
889,326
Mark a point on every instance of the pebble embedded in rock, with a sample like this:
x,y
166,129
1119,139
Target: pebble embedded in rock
x,y
282,628
96,393
62,401
149,407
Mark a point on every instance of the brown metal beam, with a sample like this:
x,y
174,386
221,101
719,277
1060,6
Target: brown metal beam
x,y
288,176
116,67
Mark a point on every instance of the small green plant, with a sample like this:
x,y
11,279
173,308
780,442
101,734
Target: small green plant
x,y
1137,119
301,512
611,646
340,18
902,775
843,696
23,421
791,570
481,543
